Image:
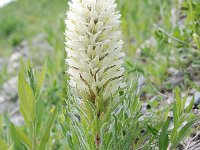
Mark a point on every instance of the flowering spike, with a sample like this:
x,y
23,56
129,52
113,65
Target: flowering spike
x,y
94,48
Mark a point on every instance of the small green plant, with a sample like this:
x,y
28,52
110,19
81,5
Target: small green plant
x,y
33,136
117,128
183,120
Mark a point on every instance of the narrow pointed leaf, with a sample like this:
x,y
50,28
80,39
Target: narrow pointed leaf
x,y
41,78
27,102
49,125
163,138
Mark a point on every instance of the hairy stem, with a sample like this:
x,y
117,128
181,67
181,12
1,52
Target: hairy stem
x,y
97,138
34,142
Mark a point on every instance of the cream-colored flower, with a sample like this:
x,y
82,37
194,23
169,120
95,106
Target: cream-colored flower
x,y
94,48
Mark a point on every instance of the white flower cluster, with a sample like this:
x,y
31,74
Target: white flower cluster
x,y
94,48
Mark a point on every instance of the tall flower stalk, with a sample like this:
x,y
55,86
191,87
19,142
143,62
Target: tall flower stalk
x,y
94,49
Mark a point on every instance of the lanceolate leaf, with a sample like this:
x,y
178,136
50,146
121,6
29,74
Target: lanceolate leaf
x,y
175,115
152,130
25,139
15,138
24,114
49,125
163,138
26,96
184,131
178,101
190,106
40,79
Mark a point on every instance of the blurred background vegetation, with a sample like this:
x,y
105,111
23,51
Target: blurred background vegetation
x,y
23,21
27,25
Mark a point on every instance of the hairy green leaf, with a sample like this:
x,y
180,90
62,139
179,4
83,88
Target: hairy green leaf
x,y
26,96
40,79
190,106
49,125
163,137
15,138
183,132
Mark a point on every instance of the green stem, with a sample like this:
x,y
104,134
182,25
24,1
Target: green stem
x,y
174,38
34,142
97,138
